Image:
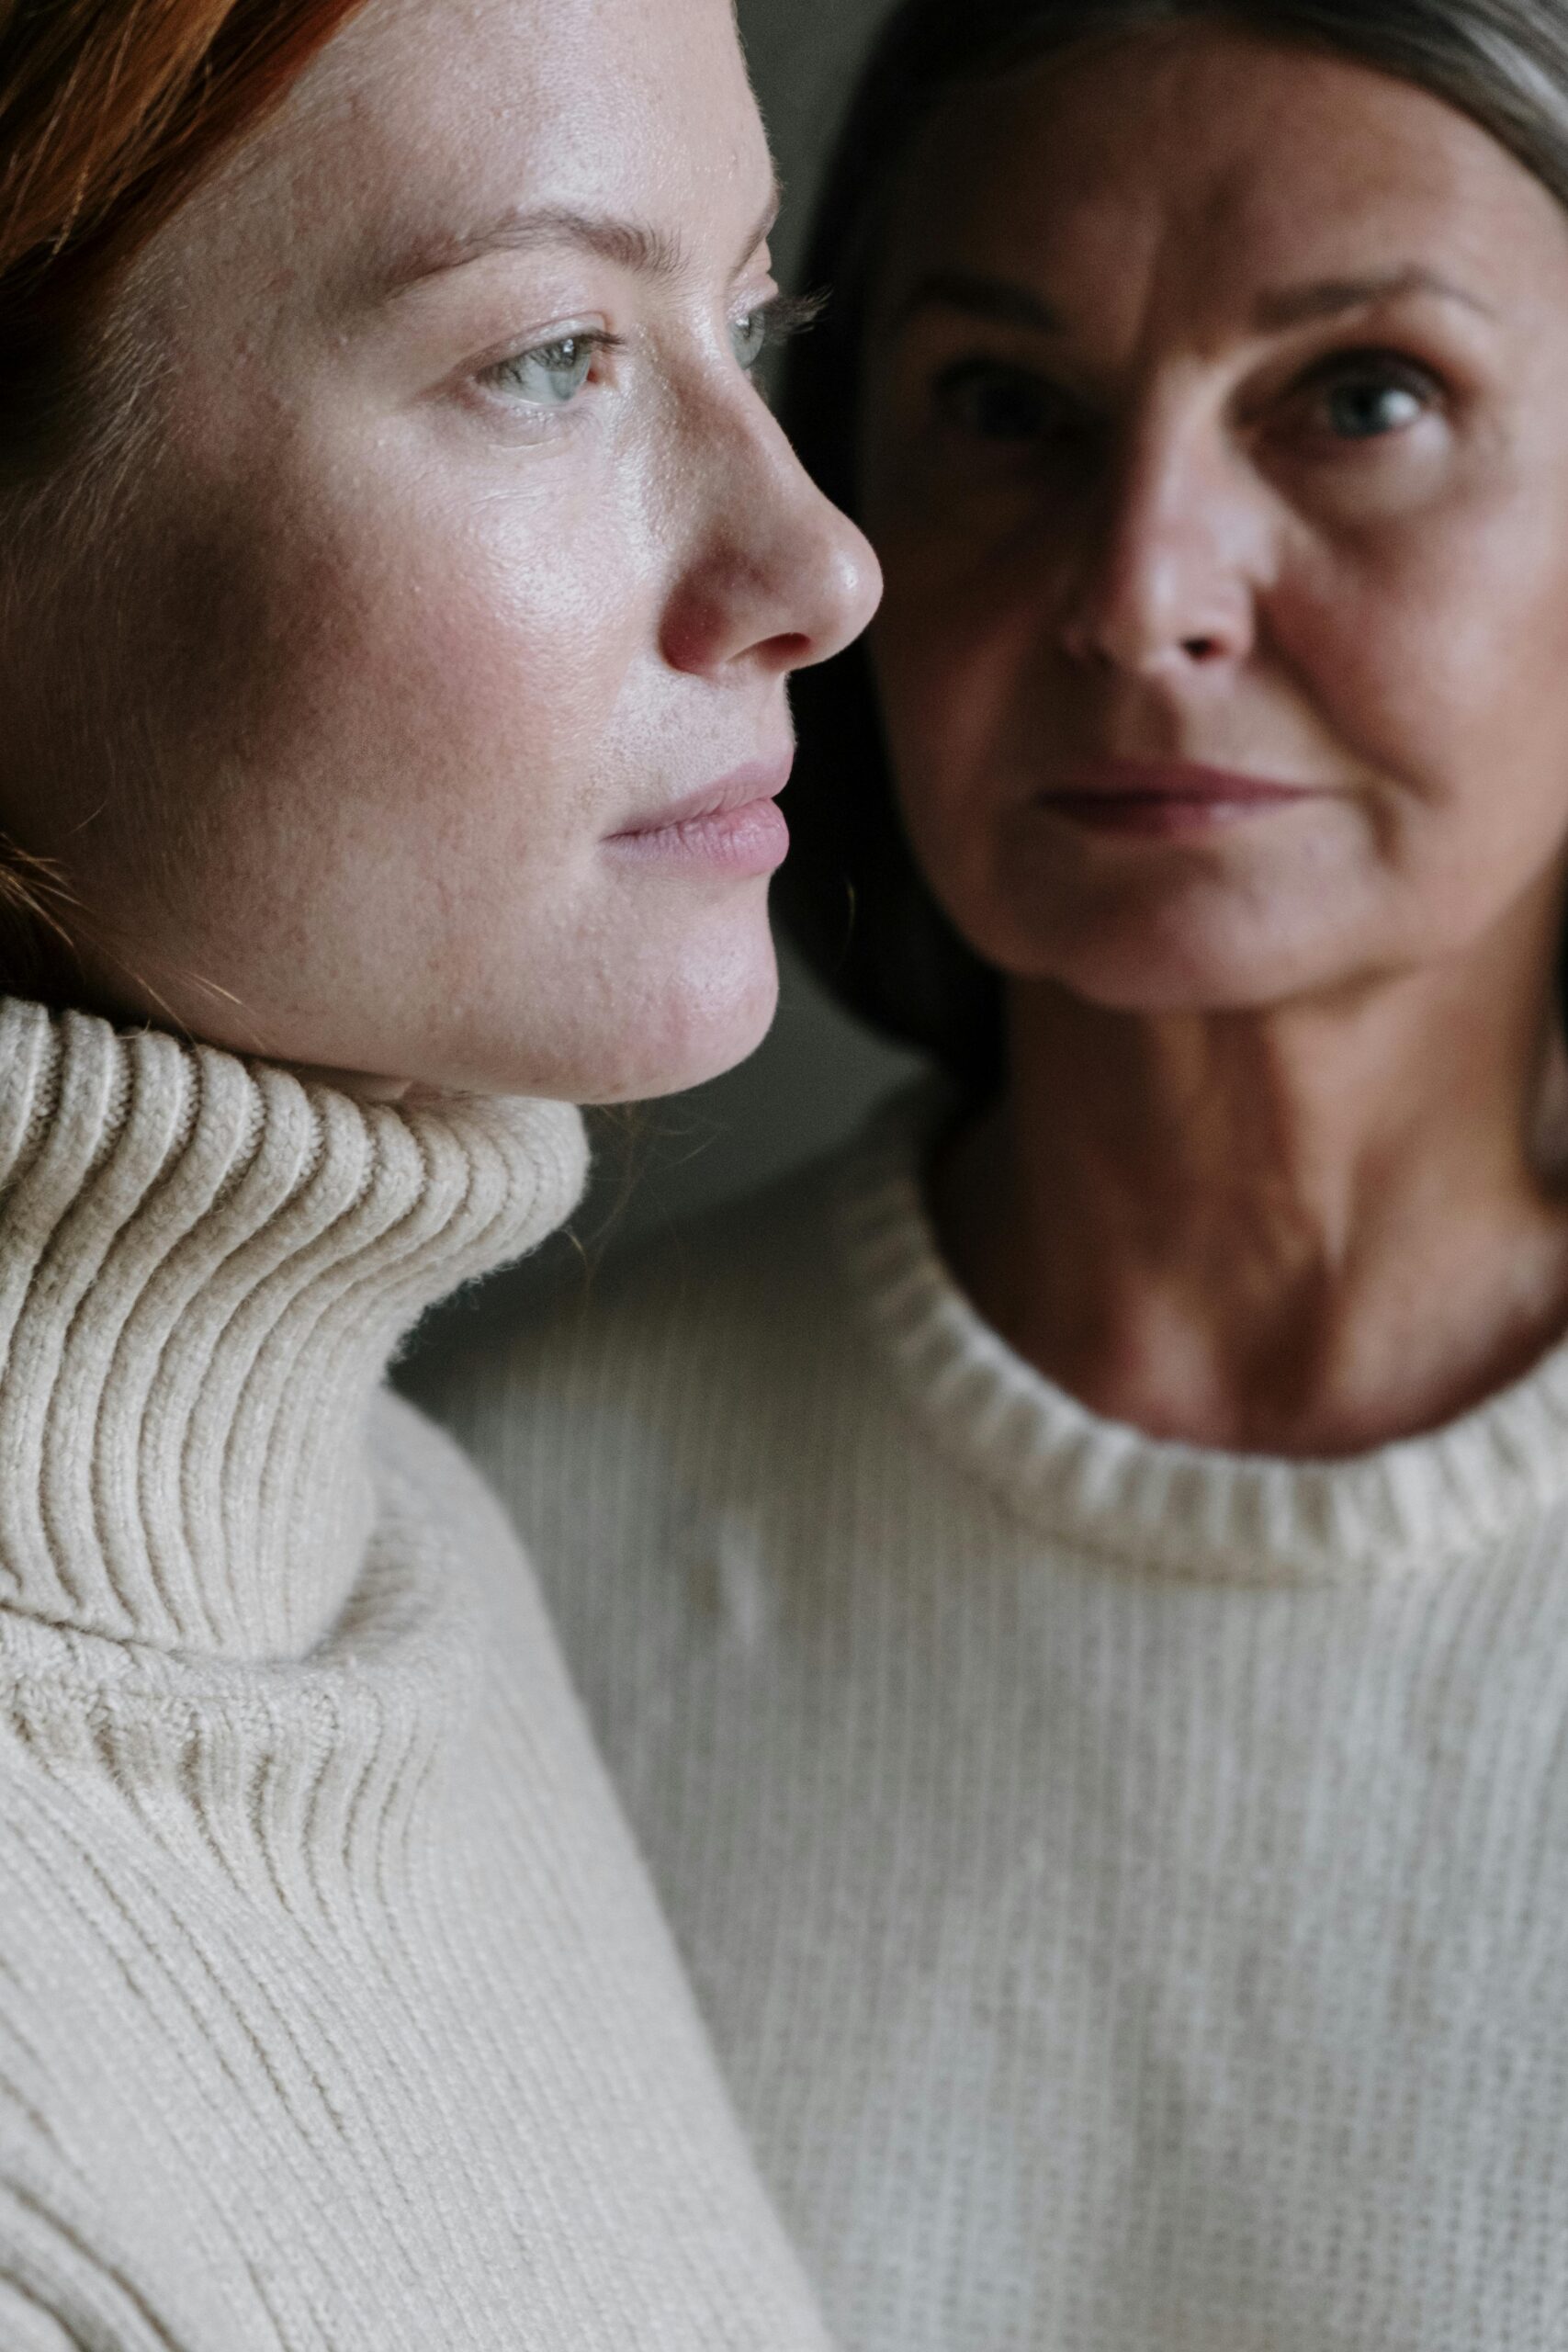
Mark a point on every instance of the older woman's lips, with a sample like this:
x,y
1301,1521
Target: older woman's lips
x,y
734,826
1163,801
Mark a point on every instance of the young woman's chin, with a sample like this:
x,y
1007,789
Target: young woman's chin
x,y
597,997
698,1021
631,1018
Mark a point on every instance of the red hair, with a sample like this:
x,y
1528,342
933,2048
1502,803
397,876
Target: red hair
x,y
109,111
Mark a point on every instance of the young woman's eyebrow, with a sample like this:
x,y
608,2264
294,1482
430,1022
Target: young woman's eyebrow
x,y
996,300
631,244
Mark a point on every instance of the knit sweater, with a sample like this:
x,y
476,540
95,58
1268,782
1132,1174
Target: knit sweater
x,y
1128,1885
335,2012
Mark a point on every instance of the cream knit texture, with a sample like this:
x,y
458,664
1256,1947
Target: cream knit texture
x,y
1128,1885
335,2012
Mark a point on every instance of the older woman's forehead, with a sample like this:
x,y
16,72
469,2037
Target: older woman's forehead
x,y
1264,160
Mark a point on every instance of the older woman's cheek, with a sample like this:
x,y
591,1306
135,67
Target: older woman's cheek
x,y
1445,670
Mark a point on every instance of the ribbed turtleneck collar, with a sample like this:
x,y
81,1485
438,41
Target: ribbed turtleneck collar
x,y
1413,1506
205,1264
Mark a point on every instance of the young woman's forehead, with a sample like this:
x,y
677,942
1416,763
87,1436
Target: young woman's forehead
x,y
436,118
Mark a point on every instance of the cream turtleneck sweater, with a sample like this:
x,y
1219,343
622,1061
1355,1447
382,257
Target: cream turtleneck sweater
x,y
335,2015
1128,1885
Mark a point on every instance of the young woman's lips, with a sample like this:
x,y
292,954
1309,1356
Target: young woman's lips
x,y
734,826
1164,800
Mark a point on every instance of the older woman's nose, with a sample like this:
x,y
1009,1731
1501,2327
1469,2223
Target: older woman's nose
x,y
776,578
1168,569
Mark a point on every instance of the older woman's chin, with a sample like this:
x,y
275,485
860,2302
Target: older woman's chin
x,y
1155,968
1215,942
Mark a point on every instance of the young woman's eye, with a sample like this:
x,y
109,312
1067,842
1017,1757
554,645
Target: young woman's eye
x,y
999,403
748,337
551,375
1372,400
758,332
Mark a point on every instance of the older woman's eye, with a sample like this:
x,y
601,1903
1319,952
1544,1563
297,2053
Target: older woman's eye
x,y
999,403
1372,402
551,375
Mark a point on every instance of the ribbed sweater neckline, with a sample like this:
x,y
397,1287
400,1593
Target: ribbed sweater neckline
x,y
1418,1505
206,1263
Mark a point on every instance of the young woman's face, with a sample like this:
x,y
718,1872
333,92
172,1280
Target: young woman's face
x,y
1216,440
457,576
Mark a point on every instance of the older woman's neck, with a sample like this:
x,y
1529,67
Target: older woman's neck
x,y
1303,1232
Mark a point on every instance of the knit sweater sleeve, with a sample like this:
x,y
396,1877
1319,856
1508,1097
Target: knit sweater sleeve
x,y
25,2326
57,2295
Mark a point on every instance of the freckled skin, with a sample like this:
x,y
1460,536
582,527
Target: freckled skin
x,y
382,653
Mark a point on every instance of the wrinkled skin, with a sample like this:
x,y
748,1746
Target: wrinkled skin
x,y
1215,417
1147,532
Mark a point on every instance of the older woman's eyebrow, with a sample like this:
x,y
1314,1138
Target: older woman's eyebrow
x,y
631,244
1002,302
1295,306
999,301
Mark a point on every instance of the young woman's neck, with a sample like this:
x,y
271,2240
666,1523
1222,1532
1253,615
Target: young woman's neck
x,y
1301,1232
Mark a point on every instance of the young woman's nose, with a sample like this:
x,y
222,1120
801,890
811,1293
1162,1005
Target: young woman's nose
x,y
1168,564
776,577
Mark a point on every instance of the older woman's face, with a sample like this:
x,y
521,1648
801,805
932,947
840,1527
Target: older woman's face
x,y
1216,439
458,562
